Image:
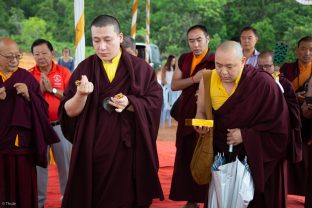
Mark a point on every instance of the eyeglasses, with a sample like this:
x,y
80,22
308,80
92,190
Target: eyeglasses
x,y
266,66
12,57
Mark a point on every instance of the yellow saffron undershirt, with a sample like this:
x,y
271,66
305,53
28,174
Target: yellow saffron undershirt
x,y
304,74
197,59
217,91
111,68
5,78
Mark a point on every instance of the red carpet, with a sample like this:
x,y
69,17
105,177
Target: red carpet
x,y
166,152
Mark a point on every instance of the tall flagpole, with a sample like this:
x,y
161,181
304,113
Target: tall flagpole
x,y
147,30
79,31
134,18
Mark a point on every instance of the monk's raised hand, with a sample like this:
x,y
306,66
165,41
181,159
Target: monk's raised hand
x,y
234,136
84,87
2,93
202,129
22,89
119,101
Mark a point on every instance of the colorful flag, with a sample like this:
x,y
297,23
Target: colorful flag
x,y
79,31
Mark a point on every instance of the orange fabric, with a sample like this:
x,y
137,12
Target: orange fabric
x,y
197,59
5,78
59,77
16,141
52,161
304,75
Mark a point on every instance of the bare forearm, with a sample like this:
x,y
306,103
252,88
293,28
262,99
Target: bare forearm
x,y
75,105
201,115
180,84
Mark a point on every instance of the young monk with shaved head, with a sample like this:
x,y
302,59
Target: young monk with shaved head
x,y
110,112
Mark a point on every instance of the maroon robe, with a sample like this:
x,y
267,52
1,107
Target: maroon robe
x,y
28,119
298,173
294,153
258,109
114,161
183,186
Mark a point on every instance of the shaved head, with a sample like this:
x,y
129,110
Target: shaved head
x,y
232,47
229,61
265,62
8,49
5,42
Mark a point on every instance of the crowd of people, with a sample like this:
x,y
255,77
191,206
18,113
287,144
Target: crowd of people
x,y
100,120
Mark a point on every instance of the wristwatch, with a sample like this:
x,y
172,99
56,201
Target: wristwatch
x,y
54,91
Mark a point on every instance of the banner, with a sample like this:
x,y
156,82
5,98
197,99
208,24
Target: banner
x,y
79,31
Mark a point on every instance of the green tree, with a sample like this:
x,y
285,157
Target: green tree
x,y
275,20
32,29
266,34
15,19
293,35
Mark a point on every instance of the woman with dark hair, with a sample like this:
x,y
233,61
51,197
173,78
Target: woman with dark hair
x,y
66,60
167,70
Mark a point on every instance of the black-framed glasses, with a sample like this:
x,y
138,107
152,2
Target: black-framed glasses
x,y
17,56
266,66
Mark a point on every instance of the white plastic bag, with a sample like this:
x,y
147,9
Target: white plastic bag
x,y
231,186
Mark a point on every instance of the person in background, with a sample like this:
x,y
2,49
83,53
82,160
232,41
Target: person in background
x,y
66,60
306,108
248,41
128,44
53,80
167,70
110,112
250,113
186,77
265,62
25,130
299,73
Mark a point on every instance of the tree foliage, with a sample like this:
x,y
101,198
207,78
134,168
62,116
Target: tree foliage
x,y
275,21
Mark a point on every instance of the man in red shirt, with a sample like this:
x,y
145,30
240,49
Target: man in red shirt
x,y
53,80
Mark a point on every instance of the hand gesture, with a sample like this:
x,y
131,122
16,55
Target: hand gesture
x,y
2,93
234,136
84,87
119,101
22,89
45,84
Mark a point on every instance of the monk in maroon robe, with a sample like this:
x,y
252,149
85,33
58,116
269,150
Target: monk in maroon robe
x,y
265,62
250,113
186,78
112,122
298,73
25,130
307,113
